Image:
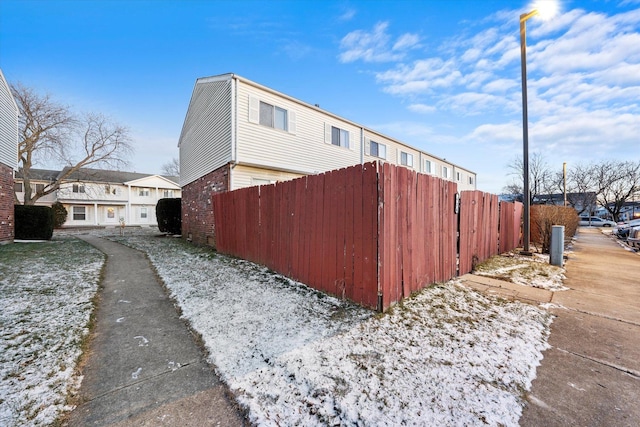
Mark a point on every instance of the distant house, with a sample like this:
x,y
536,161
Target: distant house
x,y
8,158
96,197
238,133
583,203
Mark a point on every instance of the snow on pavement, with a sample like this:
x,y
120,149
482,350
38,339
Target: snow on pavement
x,y
295,356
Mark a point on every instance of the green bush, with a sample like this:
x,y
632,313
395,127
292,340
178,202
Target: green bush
x,y
33,222
169,215
543,217
59,214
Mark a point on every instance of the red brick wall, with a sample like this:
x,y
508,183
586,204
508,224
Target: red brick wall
x,y
197,212
6,204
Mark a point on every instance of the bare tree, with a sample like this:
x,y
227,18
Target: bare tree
x,y
542,179
171,168
580,189
615,183
49,130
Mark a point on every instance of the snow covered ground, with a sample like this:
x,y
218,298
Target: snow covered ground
x,y
295,356
46,290
532,271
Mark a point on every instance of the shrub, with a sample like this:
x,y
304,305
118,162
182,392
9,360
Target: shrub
x,y
33,222
59,214
543,217
169,215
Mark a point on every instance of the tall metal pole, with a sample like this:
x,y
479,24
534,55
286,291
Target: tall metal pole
x,y
525,132
564,182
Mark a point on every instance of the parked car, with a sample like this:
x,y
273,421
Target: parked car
x,y
634,237
596,221
622,230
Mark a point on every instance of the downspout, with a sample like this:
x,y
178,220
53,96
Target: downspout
x,y
361,146
234,131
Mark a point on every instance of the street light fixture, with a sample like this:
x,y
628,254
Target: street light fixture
x,y
544,9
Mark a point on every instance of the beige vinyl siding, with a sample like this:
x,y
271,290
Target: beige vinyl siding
x,y
8,126
205,141
247,176
304,151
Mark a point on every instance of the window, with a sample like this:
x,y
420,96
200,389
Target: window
x,y
111,213
471,180
79,213
272,116
78,188
446,173
378,150
428,166
167,193
109,189
406,159
39,188
18,188
458,176
143,213
339,137
143,192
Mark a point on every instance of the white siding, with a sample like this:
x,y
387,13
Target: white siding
x,y
8,126
246,176
205,141
302,147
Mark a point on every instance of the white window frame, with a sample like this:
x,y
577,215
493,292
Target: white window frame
x,y
144,192
470,180
144,213
446,173
458,176
345,138
255,115
428,166
167,194
39,186
21,190
380,150
77,188
78,211
406,159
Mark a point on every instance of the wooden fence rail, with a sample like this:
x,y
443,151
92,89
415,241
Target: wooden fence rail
x,y
372,233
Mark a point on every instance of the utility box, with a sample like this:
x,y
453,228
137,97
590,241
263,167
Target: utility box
x,y
556,251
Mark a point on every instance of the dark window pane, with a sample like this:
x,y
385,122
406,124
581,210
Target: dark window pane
x,y
266,114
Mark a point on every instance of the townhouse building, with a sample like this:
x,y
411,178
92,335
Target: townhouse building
x,y
8,159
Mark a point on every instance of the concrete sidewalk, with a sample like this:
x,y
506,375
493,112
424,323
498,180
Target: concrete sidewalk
x,y
144,367
591,374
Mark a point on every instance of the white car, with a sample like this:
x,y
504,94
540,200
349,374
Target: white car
x,y
595,221
622,230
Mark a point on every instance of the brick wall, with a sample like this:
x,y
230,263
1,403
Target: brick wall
x,y
6,204
197,213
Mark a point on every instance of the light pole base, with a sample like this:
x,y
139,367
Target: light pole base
x,y
526,253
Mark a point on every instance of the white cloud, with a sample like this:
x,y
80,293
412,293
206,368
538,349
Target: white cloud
x,y
583,79
422,108
376,45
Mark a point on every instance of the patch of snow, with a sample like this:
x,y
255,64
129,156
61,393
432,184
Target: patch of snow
x,y
46,292
294,356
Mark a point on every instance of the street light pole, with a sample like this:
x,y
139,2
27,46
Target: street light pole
x,y
525,132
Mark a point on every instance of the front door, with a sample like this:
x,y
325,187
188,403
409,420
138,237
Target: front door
x,y
112,215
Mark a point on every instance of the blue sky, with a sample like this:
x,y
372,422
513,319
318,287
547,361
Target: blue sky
x,y
443,76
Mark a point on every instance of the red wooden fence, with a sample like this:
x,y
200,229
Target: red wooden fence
x,y
319,229
417,234
372,233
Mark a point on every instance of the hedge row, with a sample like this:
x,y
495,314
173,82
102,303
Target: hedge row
x,y
33,222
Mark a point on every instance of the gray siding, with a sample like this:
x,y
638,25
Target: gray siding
x,y
206,138
8,126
